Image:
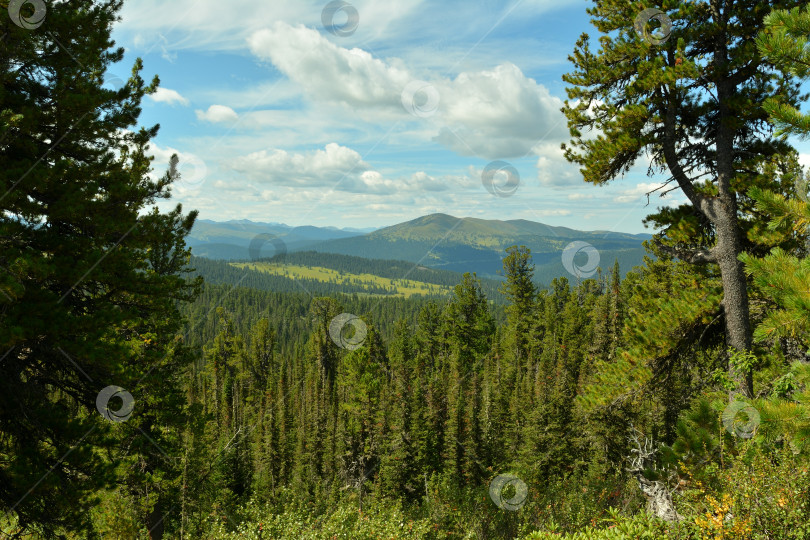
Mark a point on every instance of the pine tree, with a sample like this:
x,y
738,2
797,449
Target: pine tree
x,y
152,476
360,382
782,275
520,290
431,357
399,471
284,424
260,390
221,356
469,328
262,352
784,41
81,288
694,102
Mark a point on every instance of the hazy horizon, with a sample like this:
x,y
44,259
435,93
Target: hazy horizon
x,y
372,228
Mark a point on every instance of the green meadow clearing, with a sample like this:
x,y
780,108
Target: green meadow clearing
x,y
405,288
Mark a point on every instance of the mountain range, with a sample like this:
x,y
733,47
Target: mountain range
x,y
230,240
437,241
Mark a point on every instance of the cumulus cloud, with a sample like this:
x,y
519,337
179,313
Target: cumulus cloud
x,y
168,96
637,193
499,113
553,170
495,114
326,71
282,167
217,114
337,168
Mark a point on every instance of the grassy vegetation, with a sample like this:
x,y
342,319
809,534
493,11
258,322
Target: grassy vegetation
x,y
405,288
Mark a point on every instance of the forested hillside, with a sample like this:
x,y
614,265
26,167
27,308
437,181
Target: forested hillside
x,y
437,241
289,275
146,393
468,244
433,409
286,312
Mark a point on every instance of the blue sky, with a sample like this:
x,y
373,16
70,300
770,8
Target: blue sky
x,y
395,115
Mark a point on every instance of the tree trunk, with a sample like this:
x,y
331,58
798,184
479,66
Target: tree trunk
x,y
735,293
729,235
183,515
721,211
659,499
154,522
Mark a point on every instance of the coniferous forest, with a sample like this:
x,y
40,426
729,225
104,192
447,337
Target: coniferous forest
x,y
146,393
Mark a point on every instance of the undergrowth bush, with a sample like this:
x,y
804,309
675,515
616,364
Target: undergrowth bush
x,y
345,521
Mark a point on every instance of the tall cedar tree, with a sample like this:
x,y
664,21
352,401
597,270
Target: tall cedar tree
x,y
519,288
87,268
693,103
469,328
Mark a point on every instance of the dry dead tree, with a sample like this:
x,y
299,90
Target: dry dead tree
x,y
659,497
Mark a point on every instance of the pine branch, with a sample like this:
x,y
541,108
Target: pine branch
x,y
692,256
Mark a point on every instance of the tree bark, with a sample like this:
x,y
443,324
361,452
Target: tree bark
x,y
721,210
727,228
735,296
154,522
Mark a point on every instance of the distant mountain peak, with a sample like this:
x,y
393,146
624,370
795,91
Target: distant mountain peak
x,y
437,240
431,218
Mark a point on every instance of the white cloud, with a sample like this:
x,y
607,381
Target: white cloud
x,y
213,25
322,135
168,96
314,168
217,114
498,114
552,212
256,93
326,71
495,114
553,170
637,193
338,168
194,171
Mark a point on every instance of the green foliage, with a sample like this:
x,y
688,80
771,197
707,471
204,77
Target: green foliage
x,y
785,42
421,415
783,276
91,277
756,495
114,516
690,107
342,521
670,310
615,527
